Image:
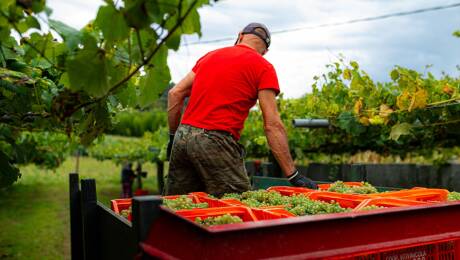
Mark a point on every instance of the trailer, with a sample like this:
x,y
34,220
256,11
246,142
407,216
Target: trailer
x,y
426,231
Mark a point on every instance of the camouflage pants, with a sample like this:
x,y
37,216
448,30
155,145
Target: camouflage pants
x,y
209,161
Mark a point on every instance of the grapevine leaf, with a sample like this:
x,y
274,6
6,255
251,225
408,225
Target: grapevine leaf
x,y
419,100
70,35
5,4
192,24
88,71
136,14
112,23
400,129
347,74
157,79
348,122
394,74
28,23
127,96
354,64
173,41
376,120
153,85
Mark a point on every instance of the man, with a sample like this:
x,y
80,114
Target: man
x,y
222,87
127,178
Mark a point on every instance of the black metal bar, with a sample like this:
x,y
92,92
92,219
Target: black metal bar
x,y
311,123
160,177
76,227
145,209
89,217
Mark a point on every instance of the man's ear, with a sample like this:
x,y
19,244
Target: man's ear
x,y
240,38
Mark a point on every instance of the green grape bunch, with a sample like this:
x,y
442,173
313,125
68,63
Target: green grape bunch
x,y
219,220
301,205
261,198
126,212
453,196
372,207
341,187
183,202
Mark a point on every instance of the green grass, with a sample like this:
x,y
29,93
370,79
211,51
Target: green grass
x,y
34,212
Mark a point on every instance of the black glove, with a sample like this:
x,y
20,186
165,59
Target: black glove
x,y
170,144
298,180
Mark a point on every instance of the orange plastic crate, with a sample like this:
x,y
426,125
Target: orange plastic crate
x,y
232,202
288,191
348,183
118,205
244,213
213,203
277,210
271,213
195,198
388,203
419,194
344,200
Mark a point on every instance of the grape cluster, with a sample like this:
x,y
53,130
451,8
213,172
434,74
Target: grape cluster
x,y
232,196
341,187
452,196
261,198
372,207
183,202
301,205
219,220
126,212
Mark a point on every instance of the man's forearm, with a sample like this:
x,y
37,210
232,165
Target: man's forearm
x,y
176,97
175,104
278,142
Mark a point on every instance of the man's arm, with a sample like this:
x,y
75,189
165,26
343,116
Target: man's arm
x,y
278,141
275,131
176,98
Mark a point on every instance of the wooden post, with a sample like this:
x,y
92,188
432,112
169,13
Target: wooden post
x,y
76,227
160,177
89,217
145,209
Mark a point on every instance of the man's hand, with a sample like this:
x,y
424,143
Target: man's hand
x,y
298,180
170,144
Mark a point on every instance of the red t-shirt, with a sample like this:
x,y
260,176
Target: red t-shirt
x,y
225,88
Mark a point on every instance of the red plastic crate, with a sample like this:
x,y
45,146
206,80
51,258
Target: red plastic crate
x,y
445,250
141,192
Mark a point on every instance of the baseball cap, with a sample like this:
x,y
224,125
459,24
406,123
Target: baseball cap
x,y
251,29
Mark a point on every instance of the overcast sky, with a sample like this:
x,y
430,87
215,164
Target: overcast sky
x,y
412,41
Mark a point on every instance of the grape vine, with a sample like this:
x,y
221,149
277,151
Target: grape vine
x,y
75,84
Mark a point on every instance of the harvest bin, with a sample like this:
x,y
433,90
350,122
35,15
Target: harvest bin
x,y
418,232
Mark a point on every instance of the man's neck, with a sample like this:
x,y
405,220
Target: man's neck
x,y
249,45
